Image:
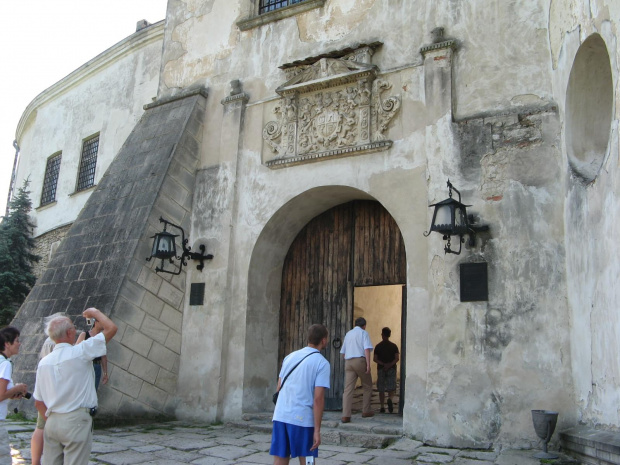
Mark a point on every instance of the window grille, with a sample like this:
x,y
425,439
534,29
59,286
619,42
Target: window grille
x,y
50,181
270,5
88,163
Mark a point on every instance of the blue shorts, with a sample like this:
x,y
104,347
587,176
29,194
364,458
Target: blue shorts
x,y
292,441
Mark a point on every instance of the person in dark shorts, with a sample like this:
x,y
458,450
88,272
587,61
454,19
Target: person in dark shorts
x,y
386,356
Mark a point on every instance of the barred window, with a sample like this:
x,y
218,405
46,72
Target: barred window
x,y
50,181
270,5
88,163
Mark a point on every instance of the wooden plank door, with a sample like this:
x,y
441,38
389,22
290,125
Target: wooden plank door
x,y
357,243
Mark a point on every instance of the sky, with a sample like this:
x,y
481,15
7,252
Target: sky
x,y
43,41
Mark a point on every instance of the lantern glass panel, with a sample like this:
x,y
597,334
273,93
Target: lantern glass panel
x,y
164,246
443,217
459,217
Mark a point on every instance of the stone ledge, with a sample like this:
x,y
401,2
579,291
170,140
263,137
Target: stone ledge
x,y
592,446
336,153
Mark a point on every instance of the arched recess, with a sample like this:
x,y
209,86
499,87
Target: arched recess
x,y
264,287
589,108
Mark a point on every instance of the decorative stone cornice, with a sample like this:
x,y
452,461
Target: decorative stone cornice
x,y
445,44
280,13
201,91
333,107
234,98
338,153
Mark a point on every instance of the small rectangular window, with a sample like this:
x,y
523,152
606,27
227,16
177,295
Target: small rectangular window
x,y
270,5
88,163
50,181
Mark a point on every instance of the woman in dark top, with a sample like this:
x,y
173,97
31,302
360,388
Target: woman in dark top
x,y
100,364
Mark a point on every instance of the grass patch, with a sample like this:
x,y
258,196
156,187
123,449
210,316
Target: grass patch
x,y
19,416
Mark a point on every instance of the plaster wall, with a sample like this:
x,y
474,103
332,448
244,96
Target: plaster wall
x,y
498,65
474,370
591,220
105,96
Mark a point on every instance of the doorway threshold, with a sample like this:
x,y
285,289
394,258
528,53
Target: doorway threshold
x,y
372,433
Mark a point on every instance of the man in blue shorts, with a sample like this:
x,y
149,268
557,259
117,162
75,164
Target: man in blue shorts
x,y
299,409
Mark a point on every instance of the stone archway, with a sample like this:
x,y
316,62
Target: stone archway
x,y
264,287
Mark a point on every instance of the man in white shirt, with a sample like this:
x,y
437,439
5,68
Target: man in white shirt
x,y
299,409
65,390
356,352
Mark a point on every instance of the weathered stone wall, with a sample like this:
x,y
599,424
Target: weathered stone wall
x,y
45,246
101,263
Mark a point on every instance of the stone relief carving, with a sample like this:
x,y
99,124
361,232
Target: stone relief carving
x,y
334,107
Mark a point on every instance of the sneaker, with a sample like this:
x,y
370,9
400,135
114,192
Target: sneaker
x,y
368,415
346,419
390,405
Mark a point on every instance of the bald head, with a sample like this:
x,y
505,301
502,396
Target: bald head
x,y
61,329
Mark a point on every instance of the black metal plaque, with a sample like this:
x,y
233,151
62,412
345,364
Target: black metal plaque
x,y
474,282
197,294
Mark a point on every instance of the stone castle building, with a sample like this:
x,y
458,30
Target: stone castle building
x,y
302,145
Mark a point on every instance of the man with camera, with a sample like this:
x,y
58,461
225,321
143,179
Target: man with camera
x,y
65,389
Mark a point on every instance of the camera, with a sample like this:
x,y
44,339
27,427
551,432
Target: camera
x,y
28,395
90,321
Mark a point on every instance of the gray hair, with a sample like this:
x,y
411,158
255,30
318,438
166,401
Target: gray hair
x,y
57,327
47,320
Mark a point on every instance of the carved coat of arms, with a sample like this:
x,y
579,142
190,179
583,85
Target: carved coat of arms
x,y
333,107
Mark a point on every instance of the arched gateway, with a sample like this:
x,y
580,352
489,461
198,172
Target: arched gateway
x,y
304,269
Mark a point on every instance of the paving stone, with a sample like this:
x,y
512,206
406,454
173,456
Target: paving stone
x,y
148,448
234,442
335,448
406,444
188,444
435,458
478,455
261,458
389,461
215,461
468,461
265,438
348,457
438,450
177,456
227,452
517,457
397,454
107,447
125,458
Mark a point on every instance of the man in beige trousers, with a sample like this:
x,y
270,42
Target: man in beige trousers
x,y
356,352
65,390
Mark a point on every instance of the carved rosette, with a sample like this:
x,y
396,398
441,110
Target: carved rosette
x,y
334,107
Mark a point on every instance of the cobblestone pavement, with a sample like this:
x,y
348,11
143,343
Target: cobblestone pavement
x,y
235,444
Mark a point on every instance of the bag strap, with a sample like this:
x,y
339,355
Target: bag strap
x,y
289,373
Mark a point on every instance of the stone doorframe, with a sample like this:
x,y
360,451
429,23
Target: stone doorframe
x,y
263,303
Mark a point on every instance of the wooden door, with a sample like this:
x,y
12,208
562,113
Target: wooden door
x,y
354,244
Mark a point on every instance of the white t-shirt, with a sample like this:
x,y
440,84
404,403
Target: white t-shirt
x,y
66,379
355,343
6,371
297,395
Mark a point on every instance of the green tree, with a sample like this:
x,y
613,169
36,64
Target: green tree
x,y
16,255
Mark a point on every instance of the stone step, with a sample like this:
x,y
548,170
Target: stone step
x,y
366,433
592,446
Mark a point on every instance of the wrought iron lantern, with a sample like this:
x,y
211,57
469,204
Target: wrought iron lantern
x,y
164,249
450,218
